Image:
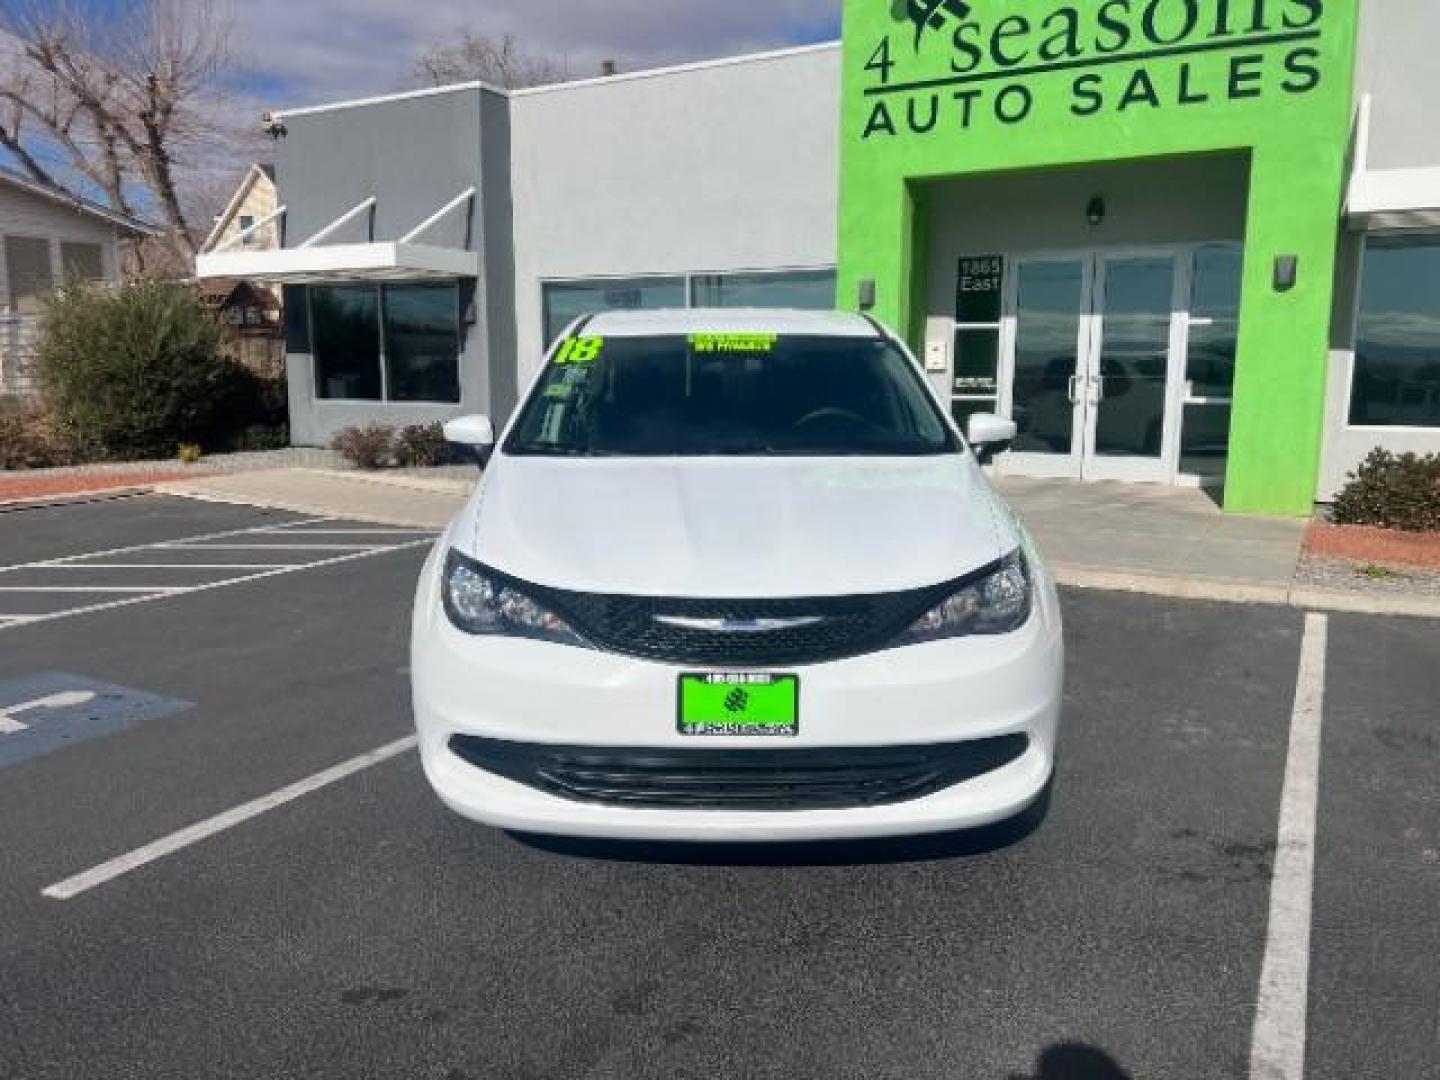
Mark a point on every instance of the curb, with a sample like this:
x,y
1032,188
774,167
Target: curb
x,y
73,498
1227,591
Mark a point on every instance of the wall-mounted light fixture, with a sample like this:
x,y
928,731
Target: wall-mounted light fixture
x,y
1095,211
1287,272
866,294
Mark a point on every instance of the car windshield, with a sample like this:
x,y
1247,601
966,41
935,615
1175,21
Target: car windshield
x,y
730,394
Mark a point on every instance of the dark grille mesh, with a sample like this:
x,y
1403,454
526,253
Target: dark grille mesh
x,y
807,779
845,626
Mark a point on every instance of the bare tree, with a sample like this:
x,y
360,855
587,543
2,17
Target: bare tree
x,y
478,57
126,101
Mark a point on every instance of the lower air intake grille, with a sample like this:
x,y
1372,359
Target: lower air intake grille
x,y
830,778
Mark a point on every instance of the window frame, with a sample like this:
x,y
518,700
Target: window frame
x,y
385,398
99,249
1357,303
11,304
686,277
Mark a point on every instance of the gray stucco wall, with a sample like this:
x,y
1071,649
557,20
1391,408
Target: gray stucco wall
x,y
413,155
1395,64
732,166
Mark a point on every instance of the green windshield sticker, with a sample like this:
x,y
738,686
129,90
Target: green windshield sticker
x,y
733,343
580,350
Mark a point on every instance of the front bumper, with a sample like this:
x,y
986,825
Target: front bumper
x,y
529,693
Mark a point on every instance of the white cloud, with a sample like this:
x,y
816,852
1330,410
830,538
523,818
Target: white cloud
x,y
306,51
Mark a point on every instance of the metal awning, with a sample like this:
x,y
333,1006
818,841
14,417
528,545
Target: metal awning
x,y
1383,200
316,263
1392,199
342,263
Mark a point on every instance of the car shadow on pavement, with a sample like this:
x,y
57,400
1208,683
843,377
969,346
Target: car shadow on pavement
x,y
1075,1061
967,843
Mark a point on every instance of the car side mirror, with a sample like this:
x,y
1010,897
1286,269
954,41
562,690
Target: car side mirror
x,y
475,435
990,435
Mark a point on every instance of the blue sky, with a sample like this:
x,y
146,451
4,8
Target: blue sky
x,y
300,52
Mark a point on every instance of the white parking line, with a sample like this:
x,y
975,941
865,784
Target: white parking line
x,y
66,560
268,547
90,609
90,589
177,841
1277,1047
171,566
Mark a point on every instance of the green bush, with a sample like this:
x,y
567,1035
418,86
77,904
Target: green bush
x,y
422,446
29,440
1393,491
369,447
133,372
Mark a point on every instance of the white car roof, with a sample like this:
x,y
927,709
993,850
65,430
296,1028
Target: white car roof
x,y
729,321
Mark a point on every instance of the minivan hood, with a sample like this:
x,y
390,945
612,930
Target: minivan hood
x,y
743,528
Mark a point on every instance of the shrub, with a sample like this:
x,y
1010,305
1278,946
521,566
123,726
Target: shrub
x,y
190,453
1392,491
29,439
131,372
261,437
369,447
422,446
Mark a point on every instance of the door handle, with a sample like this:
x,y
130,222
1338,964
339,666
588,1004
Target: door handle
x,y
1098,383
1070,393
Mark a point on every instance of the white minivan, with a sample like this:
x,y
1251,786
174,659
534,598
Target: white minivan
x,y
736,576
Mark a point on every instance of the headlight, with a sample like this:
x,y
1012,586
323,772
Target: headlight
x,y
478,603
996,604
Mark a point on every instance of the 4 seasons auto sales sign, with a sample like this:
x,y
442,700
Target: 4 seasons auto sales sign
x,y
950,66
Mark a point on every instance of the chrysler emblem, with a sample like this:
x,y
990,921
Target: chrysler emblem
x,y
738,626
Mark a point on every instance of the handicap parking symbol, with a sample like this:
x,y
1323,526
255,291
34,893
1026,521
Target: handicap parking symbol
x,y
42,713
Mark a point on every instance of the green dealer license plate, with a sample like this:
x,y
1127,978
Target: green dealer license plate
x,y
740,704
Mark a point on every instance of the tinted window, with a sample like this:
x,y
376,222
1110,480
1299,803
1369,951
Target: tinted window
x,y
566,301
810,289
753,395
422,342
1397,348
344,327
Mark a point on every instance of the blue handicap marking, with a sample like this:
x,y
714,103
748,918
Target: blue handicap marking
x,y
41,713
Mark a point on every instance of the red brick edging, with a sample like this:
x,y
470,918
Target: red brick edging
x,y
1367,544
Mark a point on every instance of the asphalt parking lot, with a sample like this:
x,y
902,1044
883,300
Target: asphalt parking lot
x,y
355,928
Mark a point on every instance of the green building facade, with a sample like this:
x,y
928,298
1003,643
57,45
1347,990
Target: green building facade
x,y
1087,145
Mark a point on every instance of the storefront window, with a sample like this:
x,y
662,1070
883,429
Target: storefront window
x,y
422,342
809,289
566,301
414,333
1397,347
345,338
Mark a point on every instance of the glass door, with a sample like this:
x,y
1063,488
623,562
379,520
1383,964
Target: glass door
x,y
1213,333
1129,367
1048,329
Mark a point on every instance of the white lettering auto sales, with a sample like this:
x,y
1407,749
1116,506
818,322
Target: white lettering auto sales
x,y
1111,54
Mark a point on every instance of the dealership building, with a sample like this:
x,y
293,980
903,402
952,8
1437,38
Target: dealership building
x,y
1178,241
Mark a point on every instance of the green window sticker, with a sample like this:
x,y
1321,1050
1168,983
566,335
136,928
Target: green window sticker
x,y
580,350
733,343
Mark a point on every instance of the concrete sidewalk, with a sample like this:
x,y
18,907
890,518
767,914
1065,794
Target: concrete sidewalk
x,y
1122,537
406,499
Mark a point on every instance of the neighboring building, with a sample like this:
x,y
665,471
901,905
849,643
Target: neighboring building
x,y
250,310
48,237
1117,223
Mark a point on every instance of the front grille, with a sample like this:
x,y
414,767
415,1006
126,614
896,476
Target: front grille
x,y
830,778
827,628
